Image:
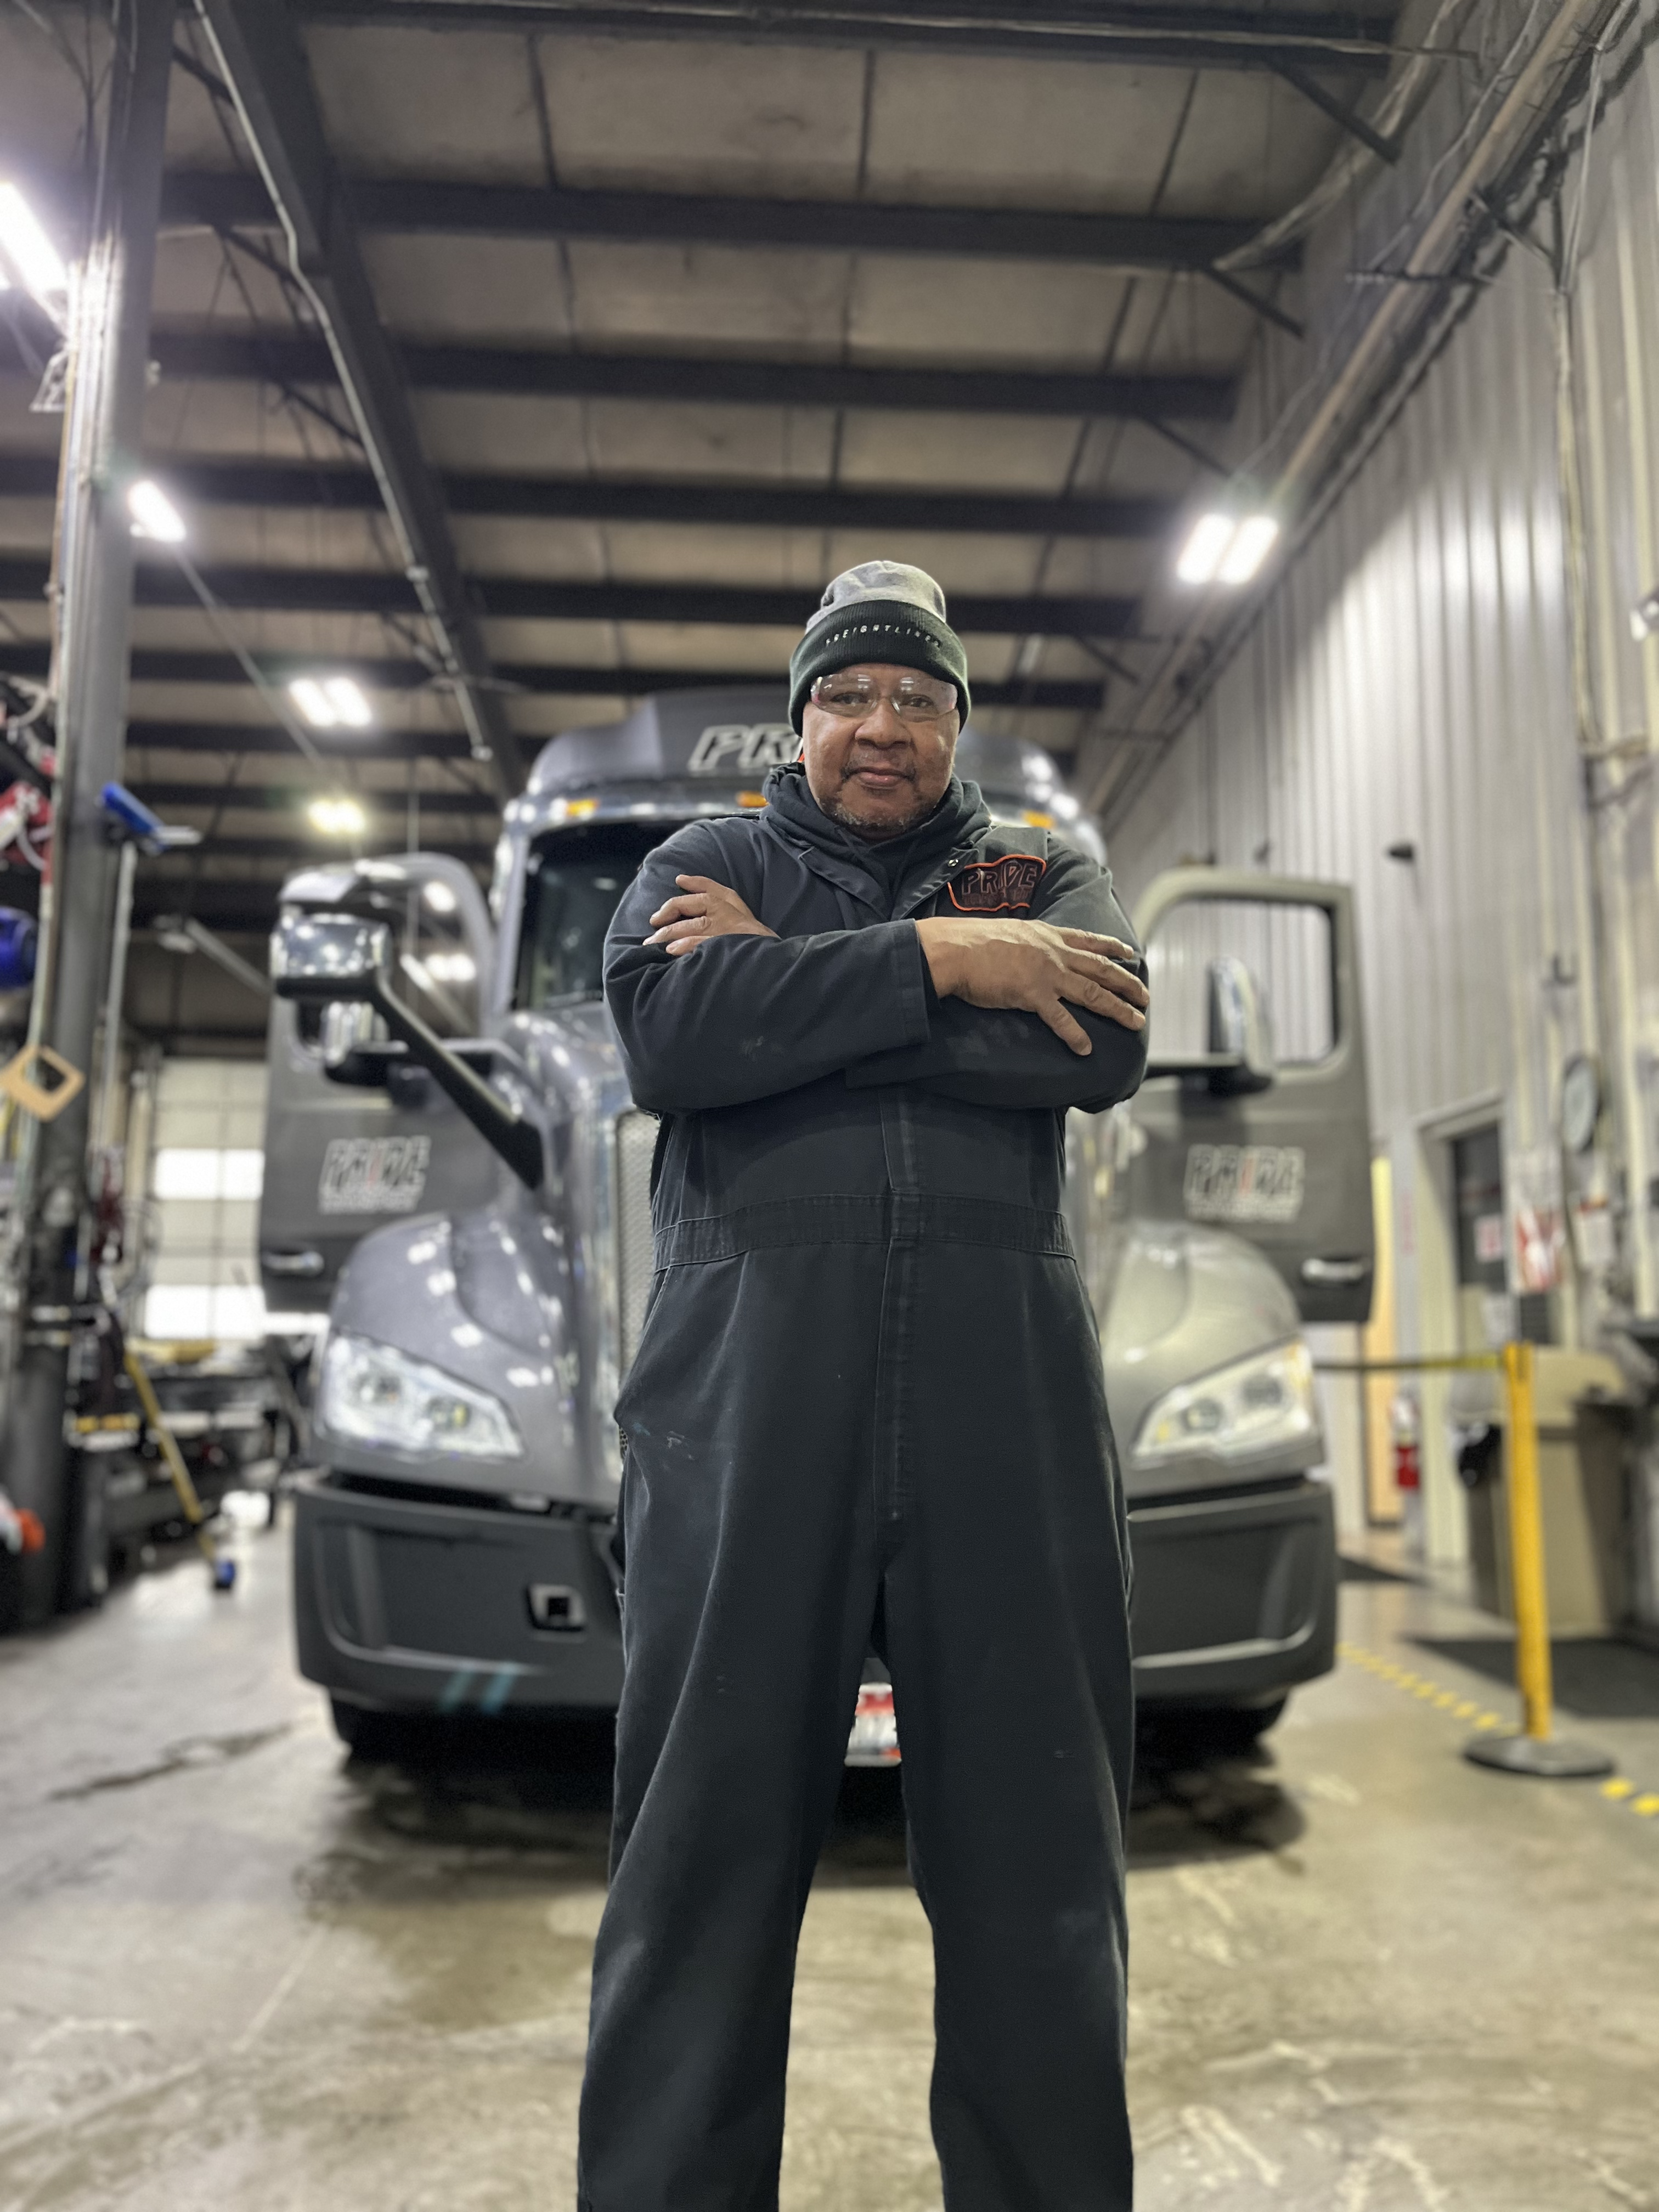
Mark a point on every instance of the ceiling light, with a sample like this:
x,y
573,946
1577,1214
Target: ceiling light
x,y
314,703
34,257
348,702
1202,555
330,702
439,898
451,967
154,514
1226,548
1253,541
336,818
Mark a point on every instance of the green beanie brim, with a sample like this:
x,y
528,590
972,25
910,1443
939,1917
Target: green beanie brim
x,y
894,632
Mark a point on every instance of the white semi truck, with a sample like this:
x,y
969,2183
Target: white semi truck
x,y
456,1173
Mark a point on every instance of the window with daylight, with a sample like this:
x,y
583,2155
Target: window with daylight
x,y
206,1170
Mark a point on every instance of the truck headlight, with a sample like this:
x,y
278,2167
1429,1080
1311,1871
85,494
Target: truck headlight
x,y
1254,1404
378,1395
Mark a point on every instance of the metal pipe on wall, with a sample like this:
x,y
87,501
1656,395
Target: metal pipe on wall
x,y
111,362
1183,674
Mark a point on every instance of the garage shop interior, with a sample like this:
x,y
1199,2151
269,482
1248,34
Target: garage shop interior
x,y
829,1105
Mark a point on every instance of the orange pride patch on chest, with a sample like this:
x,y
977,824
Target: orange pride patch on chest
x,y
1005,886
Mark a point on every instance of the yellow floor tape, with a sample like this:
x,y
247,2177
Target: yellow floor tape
x,y
1618,1789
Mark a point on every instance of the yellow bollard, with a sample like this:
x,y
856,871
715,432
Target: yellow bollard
x,y
1532,1609
1537,1749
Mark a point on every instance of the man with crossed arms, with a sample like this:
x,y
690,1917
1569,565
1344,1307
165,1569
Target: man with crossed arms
x,y
867,1412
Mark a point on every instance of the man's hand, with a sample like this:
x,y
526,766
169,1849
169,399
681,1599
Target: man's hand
x,y
703,909
1036,968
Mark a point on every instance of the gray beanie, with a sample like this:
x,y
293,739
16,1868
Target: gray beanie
x,y
880,611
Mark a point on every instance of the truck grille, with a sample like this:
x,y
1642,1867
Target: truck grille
x,y
636,1141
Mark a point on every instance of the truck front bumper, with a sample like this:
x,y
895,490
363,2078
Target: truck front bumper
x,y
1234,1594
410,1607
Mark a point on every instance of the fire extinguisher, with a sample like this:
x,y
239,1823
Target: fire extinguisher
x,y
1406,1431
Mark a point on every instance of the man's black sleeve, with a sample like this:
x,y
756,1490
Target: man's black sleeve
x,y
992,1056
743,1018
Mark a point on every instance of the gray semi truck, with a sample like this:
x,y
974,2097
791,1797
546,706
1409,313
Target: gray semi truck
x,y
456,1175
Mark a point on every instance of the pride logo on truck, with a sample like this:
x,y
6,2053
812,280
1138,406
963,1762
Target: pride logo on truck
x,y
374,1175
743,749
1244,1182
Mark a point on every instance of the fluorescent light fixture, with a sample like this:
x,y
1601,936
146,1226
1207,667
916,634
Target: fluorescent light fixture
x,y
439,898
34,257
314,703
1202,555
1252,542
348,702
1226,548
329,702
154,514
451,967
336,818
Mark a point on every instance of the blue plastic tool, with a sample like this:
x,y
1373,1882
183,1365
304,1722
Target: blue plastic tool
x,y
18,940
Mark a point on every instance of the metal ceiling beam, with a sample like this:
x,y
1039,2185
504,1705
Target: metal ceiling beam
x,y
1340,111
223,200
258,740
385,834
537,678
1195,37
281,798
531,599
269,357
259,49
785,505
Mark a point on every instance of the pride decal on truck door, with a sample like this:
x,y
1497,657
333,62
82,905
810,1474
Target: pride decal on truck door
x,y
374,1175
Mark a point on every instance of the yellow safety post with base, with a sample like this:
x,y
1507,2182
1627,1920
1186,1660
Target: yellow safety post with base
x,y
1534,1748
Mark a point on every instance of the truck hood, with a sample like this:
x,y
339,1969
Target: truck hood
x,y
1182,1302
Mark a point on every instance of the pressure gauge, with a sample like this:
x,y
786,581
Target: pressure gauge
x,y
1581,1102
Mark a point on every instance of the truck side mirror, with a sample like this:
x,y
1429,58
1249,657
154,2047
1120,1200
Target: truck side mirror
x,y
335,959
329,958
1240,1028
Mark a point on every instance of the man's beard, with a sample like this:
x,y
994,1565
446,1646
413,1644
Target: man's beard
x,y
878,833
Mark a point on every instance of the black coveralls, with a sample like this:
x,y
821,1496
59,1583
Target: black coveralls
x,y
867,1400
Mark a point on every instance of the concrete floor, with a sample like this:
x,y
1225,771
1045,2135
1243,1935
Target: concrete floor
x,y
238,1972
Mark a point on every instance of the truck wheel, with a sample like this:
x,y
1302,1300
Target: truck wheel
x,y
365,1733
1241,1728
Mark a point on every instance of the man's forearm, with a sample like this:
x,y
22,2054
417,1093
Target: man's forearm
x,y
987,1056
743,1018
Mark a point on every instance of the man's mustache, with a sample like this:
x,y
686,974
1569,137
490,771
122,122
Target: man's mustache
x,y
885,762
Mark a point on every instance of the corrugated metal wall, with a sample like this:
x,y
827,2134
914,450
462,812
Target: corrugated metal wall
x,y
1410,682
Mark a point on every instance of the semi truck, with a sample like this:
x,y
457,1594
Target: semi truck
x,y
458,1186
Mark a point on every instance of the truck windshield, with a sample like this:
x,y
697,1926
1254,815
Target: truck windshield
x,y
577,876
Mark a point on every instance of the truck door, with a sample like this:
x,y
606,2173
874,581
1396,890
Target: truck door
x,y
1255,1115
343,1157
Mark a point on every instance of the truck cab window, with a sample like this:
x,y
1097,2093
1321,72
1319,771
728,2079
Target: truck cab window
x,y
576,879
1287,949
